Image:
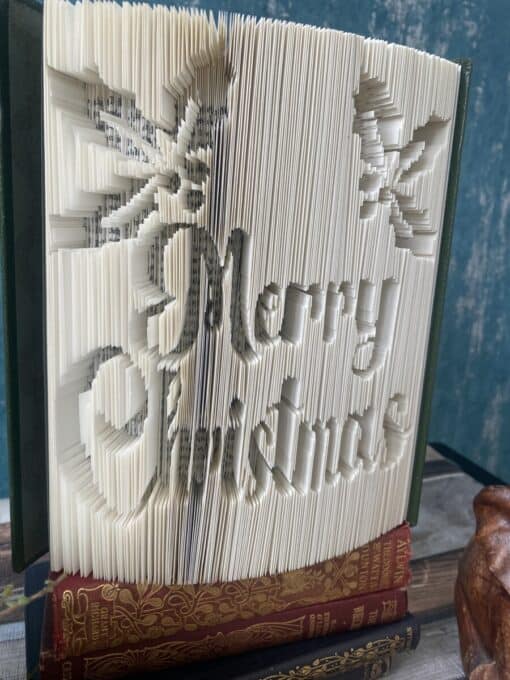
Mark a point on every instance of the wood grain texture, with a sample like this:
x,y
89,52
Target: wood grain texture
x,y
446,520
436,657
432,586
482,591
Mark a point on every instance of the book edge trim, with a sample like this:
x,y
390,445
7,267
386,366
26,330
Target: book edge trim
x,y
440,293
22,555
9,297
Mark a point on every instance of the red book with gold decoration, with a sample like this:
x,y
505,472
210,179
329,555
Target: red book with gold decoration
x,y
158,626
232,638
90,614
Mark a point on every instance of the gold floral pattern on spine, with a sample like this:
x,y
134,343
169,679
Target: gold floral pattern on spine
x,y
98,616
172,653
373,653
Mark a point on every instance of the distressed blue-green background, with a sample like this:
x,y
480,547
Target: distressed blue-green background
x,y
471,410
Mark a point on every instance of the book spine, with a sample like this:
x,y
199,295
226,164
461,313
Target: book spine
x,y
369,671
51,669
90,615
367,654
356,662
235,638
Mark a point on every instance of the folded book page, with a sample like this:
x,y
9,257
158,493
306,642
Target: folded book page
x,y
243,220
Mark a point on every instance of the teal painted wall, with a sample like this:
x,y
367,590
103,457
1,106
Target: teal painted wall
x,y
471,411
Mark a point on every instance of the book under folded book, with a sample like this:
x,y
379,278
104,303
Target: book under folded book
x,y
89,614
276,629
150,626
365,654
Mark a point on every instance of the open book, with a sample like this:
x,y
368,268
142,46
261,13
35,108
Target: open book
x,y
243,222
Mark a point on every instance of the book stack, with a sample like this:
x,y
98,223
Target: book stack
x,y
245,241
105,629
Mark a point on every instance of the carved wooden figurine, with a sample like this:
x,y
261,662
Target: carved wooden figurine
x,y
482,591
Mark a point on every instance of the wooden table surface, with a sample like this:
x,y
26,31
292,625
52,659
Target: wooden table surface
x,y
446,523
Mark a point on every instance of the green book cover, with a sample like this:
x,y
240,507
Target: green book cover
x,y
441,281
22,285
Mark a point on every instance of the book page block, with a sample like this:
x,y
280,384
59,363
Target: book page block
x,y
243,220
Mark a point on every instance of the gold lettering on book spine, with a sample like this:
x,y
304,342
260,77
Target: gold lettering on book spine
x,y
172,653
401,562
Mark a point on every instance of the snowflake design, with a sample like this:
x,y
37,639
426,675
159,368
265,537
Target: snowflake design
x,y
395,177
